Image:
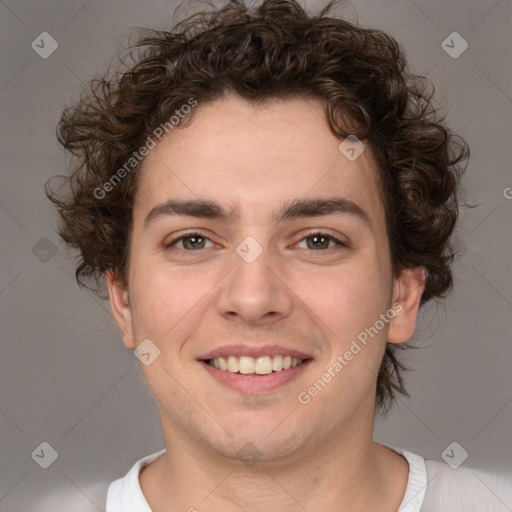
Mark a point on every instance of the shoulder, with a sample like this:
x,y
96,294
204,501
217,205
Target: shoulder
x,y
465,489
436,487
125,494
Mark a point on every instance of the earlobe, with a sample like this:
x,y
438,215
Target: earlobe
x,y
407,292
120,305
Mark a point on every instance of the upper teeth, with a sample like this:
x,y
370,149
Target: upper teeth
x,y
259,365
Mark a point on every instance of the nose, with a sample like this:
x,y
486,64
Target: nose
x,y
255,291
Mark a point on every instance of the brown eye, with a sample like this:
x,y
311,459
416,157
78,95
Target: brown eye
x,y
193,242
190,242
320,241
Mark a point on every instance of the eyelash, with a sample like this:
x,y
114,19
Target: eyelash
x,y
192,234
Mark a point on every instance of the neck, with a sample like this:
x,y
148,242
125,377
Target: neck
x,y
345,473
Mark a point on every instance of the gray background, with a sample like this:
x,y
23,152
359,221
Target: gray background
x,y
65,376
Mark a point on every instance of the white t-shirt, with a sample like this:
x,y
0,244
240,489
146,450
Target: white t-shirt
x,y
432,487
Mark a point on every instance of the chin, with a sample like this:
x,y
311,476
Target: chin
x,y
260,441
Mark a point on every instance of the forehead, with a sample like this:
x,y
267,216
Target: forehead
x,y
252,157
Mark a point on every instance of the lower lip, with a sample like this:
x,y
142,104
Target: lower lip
x,y
255,384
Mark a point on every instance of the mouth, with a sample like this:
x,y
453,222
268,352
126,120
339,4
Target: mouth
x,y
263,365
255,375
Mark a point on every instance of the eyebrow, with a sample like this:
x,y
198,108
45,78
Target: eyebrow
x,y
297,208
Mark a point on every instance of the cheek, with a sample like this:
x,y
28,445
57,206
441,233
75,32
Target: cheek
x,y
348,298
168,301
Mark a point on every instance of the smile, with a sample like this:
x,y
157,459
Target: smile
x,y
263,365
252,382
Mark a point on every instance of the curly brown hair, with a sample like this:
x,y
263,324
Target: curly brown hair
x,y
274,50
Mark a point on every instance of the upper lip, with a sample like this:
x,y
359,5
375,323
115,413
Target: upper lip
x,y
251,351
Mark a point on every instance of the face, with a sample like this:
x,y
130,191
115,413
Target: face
x,y
258,244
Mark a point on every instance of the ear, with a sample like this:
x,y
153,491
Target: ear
x,y
121,308
407,291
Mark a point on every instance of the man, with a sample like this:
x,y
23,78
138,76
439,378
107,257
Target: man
x,y
269,196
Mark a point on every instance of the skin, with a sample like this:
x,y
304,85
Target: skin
x,y
318,456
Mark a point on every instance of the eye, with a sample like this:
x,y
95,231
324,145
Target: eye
x,y
320,241
194,241
189,242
